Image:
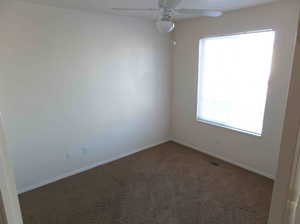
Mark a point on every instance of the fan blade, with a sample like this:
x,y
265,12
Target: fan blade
x,y
135,10
200,12
172,4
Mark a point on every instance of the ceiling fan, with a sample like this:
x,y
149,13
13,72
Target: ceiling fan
x,y
167,10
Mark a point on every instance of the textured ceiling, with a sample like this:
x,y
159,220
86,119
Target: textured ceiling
x,y
105,5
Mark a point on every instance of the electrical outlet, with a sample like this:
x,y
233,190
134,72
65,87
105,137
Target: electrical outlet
x,y
67,156
84,151
218,142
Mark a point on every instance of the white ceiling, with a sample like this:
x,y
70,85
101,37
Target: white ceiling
x,y
105,5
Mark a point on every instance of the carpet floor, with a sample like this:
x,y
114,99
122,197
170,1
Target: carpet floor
x,y
167,184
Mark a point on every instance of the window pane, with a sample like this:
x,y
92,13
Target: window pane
x,y
233,79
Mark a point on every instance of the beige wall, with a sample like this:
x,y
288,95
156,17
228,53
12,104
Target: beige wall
x,y
79,89
288,152
259,154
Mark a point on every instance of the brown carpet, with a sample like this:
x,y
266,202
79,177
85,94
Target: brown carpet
x,y
167,184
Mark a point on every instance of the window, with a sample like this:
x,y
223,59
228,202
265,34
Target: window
x,y
233,80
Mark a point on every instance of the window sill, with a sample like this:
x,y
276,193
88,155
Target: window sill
x,y
229,127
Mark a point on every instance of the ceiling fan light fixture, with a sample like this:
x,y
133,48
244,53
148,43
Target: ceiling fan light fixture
x,y
165,26
167,11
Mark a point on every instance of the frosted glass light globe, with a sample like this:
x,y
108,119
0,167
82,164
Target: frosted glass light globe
x,y
165,26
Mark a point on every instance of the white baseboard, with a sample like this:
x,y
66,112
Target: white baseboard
x,y
80,170
270,176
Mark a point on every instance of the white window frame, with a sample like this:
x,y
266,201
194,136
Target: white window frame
x,y
216,124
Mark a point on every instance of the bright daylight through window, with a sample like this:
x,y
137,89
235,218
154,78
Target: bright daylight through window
x,y
233,80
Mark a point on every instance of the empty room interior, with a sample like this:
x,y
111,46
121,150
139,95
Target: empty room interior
x,y
146,111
